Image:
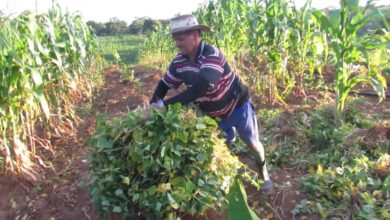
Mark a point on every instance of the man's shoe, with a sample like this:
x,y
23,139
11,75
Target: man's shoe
x,y
267,186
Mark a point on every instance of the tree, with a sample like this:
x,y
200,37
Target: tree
x,y
145,25
149,25
136,27
116,26
98,27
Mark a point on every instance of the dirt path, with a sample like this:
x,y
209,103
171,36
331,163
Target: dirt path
x,y
63,194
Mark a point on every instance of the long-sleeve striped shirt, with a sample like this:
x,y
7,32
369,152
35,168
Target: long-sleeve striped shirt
x,y
225,90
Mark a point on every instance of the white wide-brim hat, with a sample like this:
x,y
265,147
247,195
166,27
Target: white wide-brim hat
x,y
186,23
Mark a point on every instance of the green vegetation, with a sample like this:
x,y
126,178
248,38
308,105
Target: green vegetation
x,y
121,49
158,49
349,167
117,27
47,63
354,188
342,27
272,43
161,162
280,49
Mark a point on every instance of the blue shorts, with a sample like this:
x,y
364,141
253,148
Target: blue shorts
x,y
243,120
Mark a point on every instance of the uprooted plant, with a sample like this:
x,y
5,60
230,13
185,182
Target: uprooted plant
x,y
161,163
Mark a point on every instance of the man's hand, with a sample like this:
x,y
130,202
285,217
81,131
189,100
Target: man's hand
x,y
158,105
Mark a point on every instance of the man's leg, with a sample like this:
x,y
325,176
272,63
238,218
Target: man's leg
x,y
258,152
248,130
230,135
227,126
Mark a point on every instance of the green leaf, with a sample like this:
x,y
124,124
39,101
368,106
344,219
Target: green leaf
x,y
325,23
152,190
117,209
201,157
158,206
105,202
119,192
43,103
238,205
200,126
162,152
172,202
104,143
378,85
353,4
200,182
135,197
178,182
126,180
385,214
190,186
36,77
109,178
367,208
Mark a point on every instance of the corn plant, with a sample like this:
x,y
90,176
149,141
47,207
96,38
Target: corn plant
x,y
271,41
342,27
307,45
277,32
227,21
44,68
158,49
117,57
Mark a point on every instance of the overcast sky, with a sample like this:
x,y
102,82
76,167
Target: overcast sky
x,y
128,10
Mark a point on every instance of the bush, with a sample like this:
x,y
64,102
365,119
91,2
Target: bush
x,y
169,162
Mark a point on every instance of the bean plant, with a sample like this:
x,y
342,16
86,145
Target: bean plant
x,y
161,163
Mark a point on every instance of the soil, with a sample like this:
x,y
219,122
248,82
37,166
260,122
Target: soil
x,y
63,194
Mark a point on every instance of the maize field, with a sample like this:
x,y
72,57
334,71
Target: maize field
x,y
47,64
78,140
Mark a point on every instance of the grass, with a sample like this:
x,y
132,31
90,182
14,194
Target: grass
x,y
126,46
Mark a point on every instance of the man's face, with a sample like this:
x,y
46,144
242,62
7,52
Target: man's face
x,y
186,41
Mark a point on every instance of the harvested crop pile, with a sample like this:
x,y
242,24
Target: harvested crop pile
x,y
159,165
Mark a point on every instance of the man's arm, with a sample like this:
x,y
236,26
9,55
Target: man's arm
x,y
169,81
160,92
209,75
198,89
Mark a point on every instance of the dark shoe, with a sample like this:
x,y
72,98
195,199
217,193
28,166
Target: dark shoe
x,y
231,145
267,186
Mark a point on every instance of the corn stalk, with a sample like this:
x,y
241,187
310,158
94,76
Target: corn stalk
x,y
307,46
44,69
342,27
272,41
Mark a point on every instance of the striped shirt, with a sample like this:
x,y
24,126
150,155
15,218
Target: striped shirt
x,y
225,90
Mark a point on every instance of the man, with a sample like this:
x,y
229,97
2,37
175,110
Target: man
x,y
212,85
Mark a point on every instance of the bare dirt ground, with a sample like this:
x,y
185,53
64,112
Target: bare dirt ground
x,y
63,193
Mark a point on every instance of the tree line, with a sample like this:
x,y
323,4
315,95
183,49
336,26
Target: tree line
x,y
146,25
116,26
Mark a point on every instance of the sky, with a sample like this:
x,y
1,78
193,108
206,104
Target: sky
x,y
128,10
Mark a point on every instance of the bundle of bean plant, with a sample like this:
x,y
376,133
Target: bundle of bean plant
x,y
160,163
